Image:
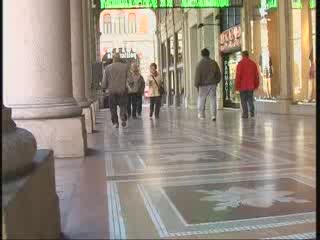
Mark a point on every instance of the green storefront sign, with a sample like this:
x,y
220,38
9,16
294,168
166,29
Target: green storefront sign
x,y
297,4
118,4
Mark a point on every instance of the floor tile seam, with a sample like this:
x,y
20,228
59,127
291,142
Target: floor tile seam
x,y
207,166
146,149
295,236
239,228
153,214
206,169
199,179
249,153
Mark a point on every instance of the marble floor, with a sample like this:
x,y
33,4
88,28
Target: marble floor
x,y
182,178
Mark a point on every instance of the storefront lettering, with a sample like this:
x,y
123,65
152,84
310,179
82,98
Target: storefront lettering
x,y
123,55
268,4
298,4
115,4
230,39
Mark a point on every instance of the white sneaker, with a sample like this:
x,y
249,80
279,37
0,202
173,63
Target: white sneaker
x,y
213,118
200,117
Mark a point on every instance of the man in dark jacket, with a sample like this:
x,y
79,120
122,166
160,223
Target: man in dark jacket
x,y
115,79
247,80
207,77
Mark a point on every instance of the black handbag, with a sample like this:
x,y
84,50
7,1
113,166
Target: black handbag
x,y
160,88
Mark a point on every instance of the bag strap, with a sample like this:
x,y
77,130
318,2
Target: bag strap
x,y
156,82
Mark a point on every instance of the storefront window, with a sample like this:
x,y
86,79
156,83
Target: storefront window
x,y
264,49
303,43
230,17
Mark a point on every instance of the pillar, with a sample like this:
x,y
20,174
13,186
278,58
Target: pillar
x,y
37,76
86,57
285,73
27,176
77,59
217,57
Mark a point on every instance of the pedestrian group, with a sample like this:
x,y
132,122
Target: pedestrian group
x,y
126,85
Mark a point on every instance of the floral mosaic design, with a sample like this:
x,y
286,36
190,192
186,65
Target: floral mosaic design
x,y
261,197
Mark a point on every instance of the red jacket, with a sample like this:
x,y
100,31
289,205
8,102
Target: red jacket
x,y
247,75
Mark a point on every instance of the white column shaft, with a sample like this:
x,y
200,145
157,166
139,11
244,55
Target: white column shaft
x,y
86,48
37,76
77,53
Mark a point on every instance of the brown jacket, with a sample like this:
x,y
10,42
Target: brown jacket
x,y
207,73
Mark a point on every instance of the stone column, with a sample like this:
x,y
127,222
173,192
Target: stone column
x,y
37,76
27,175
87,65
77,59
86,47
217,57
285,67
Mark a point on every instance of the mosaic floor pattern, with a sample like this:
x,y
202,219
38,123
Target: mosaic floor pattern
x,y
181,178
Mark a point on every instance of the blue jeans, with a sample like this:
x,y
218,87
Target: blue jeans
x,y
247,99
204,92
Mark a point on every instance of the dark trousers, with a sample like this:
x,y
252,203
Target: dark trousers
x,y
139,104
133,104
155,102
120,100
247,99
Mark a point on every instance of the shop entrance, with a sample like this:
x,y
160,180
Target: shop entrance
x,y
231,98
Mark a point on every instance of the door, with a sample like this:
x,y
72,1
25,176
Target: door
x,y
231,98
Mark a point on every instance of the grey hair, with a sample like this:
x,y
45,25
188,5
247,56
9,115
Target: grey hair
x,y
116,57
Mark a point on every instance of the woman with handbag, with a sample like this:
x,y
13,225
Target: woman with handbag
x,y
156,90
134,85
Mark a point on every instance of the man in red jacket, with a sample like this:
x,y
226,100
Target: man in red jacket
x,y
247,80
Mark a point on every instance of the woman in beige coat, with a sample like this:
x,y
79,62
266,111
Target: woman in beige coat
x,y
154,82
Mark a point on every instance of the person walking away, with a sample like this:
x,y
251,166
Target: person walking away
x,y
207,77
247,80
155,84
115,80
135,83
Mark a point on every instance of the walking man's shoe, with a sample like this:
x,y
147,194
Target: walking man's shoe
x,y
213,118
124,124
116,125
252,114
244,116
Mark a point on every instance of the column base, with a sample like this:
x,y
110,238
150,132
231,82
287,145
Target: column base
x,y
96,104
66,136
94,113
87,112
219,103
273,106
176,100
30,207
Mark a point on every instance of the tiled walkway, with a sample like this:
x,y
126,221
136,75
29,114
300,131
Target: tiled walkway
x,y
183,178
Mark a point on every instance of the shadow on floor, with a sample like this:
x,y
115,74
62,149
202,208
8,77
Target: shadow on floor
x,y
92,152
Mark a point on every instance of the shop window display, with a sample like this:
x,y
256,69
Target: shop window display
x,y
264,49
302,45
